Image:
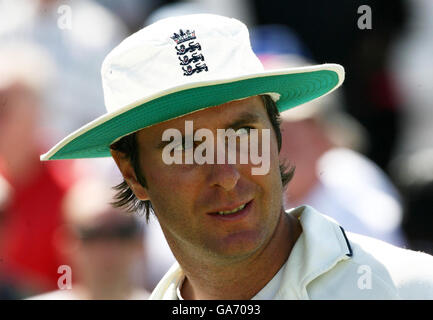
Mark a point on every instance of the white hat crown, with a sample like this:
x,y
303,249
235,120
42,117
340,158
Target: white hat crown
x,y
174,52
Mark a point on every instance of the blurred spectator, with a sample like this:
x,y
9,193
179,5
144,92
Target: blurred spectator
x,y
240,9
324,143
275,40
7,290
102,244
319,140
132,12
157,254
78,34
34,210
411,65
5,190
330,30
176,9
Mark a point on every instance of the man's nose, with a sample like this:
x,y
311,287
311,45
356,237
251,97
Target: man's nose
x,y
224,175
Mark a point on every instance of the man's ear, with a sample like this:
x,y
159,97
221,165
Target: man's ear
x,y
128,173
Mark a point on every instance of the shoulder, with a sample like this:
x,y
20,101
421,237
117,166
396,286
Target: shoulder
x,y
372,269
406,272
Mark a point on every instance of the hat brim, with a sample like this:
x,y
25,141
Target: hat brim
x,y
295,86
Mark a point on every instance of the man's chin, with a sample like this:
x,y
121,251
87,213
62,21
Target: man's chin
x,y
238,246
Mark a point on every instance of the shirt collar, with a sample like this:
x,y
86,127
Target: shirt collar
x,y
166,288
321,245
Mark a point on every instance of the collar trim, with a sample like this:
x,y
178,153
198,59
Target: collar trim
x,y
350,254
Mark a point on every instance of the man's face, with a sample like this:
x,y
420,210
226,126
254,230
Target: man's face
x,y
187,197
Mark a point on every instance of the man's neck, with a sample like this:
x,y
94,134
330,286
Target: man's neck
x,y
242,280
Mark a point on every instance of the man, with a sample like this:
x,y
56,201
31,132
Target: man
x,y
224,220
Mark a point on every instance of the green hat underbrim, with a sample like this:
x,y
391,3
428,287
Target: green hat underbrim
x,y
94,139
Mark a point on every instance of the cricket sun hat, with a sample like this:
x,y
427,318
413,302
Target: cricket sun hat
x,y
180,65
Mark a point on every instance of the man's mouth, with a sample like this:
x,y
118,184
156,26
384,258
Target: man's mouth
x,y
232,211
238,211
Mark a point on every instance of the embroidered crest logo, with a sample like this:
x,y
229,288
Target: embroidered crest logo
x,y
190,59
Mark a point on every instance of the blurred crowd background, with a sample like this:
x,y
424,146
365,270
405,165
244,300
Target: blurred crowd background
x,y
363,155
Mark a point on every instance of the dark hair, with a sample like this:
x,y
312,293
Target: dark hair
x,y
127,145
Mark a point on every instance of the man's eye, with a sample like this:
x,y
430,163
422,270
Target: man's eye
x,y
243,131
